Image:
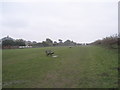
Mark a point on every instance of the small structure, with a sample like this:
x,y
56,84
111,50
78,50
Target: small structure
x,y
21,47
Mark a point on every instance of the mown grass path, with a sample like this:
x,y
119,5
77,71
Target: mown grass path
x,y
76,67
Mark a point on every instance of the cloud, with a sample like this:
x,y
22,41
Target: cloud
x,y
61,1
14,23
81,22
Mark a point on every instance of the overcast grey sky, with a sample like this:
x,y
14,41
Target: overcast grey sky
x,y
81,22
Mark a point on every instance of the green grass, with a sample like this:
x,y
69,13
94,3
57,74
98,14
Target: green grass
x,y
77,67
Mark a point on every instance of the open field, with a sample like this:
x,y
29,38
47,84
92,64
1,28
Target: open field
x,y
76,67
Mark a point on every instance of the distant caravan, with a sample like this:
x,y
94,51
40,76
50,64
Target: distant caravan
x,y
21,47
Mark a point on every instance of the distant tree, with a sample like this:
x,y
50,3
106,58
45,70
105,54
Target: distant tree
x,y
55,43
67,42
78,44
38,45
73,43
49,42
8,43
60,40
20,42
87,44
70,43
29,43
7,38
111,41
97,42
34,42
45,44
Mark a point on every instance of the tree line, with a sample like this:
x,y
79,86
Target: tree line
x,y
110,41
18,42
8,41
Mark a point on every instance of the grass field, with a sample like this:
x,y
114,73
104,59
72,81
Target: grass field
x,y
76,67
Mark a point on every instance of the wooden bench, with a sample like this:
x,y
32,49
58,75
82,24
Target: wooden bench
x,y
49,52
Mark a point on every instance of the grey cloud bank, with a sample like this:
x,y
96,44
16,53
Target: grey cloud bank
x,y
80,22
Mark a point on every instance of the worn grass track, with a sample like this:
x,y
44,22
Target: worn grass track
x,y
77,67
